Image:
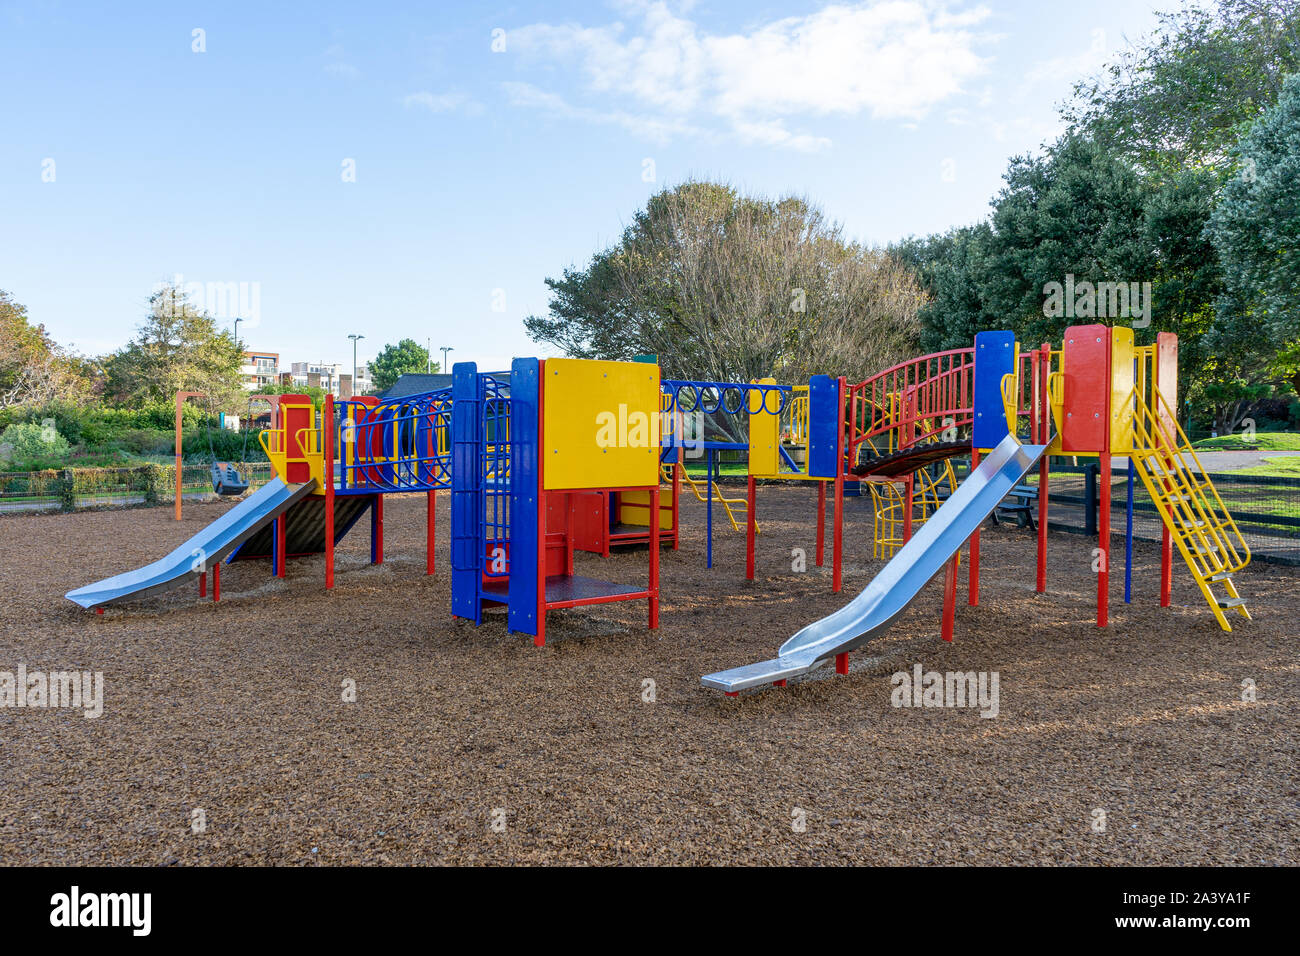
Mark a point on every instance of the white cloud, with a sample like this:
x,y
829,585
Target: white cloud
x,y
889,59
337,65
656,128
442,102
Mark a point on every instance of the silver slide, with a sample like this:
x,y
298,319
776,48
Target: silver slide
x,y
901,580
209,546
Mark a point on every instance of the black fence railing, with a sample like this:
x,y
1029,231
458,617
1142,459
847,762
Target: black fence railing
x,y
71,488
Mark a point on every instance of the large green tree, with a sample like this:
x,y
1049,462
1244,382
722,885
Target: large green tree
x,y
394,361
1081,213
1182,96
1256,230
177,347
729,287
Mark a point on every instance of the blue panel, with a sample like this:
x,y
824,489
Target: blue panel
x,y
525,508
823,426
995,356
466,505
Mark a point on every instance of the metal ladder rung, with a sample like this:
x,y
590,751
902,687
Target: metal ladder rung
x,y
1230,602
1219,576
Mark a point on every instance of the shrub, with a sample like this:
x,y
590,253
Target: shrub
x,y
28,441
148,441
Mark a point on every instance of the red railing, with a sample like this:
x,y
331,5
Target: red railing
x,y
912,402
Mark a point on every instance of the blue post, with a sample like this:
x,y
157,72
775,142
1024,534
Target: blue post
x,y
374,529
708,505
1128,539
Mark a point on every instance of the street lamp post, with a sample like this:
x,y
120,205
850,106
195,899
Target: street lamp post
x,y
444,350
354,339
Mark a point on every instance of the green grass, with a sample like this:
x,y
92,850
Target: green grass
x,y
1288,467
1264,441
698,469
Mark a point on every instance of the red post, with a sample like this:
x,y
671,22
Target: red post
x,y
973,572
778,683
1041,582
430,524
654,556
377,531
1044,437
1166,567
216,581
842,663
821,521
203,583
327,439
750,504
950,596
281,538
1103,538
837,535
539,639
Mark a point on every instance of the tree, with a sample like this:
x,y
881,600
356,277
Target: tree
x,y
176,348
314,392
1256,231
1183,96
1081,213
727,287
394,361
33,369
953,268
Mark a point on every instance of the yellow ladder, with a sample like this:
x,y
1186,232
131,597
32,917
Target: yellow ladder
x,y
740,505
1190,506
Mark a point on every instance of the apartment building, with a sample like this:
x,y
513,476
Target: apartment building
x,y
259,368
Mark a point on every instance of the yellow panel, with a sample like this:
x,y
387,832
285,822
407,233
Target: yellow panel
x,y
601,424
1121,384
764,432
634,509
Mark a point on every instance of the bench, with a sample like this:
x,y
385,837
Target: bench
x,y
1020,503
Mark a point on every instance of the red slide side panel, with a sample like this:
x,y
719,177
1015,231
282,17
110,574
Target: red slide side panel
x,y
1087,389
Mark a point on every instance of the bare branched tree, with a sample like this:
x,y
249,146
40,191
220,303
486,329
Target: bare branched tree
x,y
726,287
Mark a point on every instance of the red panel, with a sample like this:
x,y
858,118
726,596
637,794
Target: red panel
x,y
1087,389
296,419
589,520
1167,377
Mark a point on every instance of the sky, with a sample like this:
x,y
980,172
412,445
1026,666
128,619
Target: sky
x,y
418,169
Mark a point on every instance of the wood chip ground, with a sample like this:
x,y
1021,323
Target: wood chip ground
x,y
470,746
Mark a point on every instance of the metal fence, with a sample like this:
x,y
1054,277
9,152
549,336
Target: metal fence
x,y
1265,509
72,488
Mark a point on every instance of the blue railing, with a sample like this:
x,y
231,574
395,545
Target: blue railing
x,y
402,445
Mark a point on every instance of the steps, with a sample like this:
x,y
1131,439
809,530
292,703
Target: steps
x,y
733,506
1197,519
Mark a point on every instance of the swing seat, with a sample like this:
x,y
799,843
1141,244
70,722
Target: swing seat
x,y
226,479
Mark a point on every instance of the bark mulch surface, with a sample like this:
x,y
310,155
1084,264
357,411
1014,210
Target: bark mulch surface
x,y
469,745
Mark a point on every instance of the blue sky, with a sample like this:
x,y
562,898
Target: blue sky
x,y
480,171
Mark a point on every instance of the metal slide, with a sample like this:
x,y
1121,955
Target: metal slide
x,y
209,546
901,580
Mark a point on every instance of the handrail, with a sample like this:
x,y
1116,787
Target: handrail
x,y
1011,403
913,401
